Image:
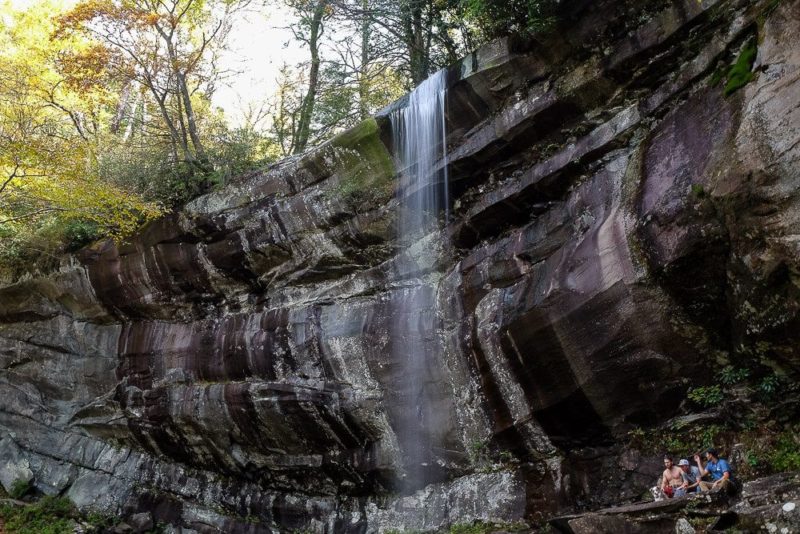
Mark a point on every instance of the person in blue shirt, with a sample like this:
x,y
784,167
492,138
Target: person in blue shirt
x,y
718,469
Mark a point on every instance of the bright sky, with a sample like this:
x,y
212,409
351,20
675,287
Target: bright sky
x,y
255,54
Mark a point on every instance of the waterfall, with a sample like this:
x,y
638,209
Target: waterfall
x,y
419,143
420,149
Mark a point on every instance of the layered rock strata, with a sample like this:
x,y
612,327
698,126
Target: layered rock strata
x,y
619,227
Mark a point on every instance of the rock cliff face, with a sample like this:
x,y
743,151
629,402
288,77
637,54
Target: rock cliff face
x,y
619,227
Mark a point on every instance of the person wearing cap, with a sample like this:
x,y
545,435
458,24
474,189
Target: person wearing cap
x,y
690,475
718,469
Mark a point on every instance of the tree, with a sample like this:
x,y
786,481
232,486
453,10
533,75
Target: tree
x,y
413,36
50,136
311,15
496,18
162,46
285,110
344,81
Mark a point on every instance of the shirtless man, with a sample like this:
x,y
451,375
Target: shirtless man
x,y
671,478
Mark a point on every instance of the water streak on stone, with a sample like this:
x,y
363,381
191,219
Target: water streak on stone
x,y
419,144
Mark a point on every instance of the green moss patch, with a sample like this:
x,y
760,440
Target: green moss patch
x,y
363,165
740,74
50,515
20,488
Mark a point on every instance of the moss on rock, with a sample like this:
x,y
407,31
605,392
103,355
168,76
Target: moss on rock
x,y
363,166
740,74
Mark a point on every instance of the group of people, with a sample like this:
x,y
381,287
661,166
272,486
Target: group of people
x,y
679,480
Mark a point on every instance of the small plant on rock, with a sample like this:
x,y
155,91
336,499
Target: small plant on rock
x,y
20,488
706,396
478,450
698,191
100,522
769,387
50,515
732,375
506,457
785,455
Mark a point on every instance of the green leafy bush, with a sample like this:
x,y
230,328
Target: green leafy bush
x,y
237,151
769,387
478,450
78,233
706,396
152,172
502,17
785,454
731,375
36,244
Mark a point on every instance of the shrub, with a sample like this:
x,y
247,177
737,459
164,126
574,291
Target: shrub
x,y
36,244
731,375
769,387
478,450
78,233
152,172
237,151
706,396
698,191
785,454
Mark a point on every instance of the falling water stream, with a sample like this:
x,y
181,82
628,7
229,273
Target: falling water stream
x,y
420,148
419,142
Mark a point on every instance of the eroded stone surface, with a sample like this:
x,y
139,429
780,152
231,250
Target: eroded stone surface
x,y
618,223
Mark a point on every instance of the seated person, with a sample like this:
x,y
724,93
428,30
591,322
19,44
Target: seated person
x,y
671,478
719,470
691,477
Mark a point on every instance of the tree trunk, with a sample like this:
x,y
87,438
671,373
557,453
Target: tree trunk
x,y
415,41
121,109
182,124
191,122
307,107
185,98
173,131
363,81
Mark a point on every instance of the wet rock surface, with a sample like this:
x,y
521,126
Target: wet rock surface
x,y
617,223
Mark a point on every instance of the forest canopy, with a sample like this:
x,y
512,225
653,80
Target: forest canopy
x,y
107,117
